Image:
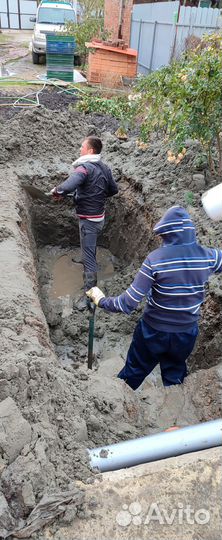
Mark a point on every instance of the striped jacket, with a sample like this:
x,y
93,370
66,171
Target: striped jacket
x,y
172,278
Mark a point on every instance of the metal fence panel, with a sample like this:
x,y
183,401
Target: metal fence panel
x,y
162,46
146,30
13,6
14,21
3,14
15,13
194,21
28,7
135,32
4,20
26,24
156,35
199,16
161,12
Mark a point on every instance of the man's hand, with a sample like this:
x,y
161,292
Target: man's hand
x,y
95,294
55,195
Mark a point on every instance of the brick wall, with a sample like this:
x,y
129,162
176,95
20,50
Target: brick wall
x,y
108,67
112,18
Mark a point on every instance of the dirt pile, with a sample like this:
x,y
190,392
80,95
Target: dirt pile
x,y
62,410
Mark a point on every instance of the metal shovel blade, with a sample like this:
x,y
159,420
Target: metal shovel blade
x,y
36,193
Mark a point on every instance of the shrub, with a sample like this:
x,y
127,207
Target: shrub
x,y
84,31
184,100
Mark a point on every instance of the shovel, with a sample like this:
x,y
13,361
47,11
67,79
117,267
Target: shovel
x,y
36,193
92,309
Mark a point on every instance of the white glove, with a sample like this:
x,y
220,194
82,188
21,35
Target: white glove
x,y
95,294
57,196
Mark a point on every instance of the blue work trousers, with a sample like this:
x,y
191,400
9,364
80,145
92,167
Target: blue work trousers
x,y
150,347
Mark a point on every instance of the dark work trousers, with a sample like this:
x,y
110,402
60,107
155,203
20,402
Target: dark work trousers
x,y
88,232
150,347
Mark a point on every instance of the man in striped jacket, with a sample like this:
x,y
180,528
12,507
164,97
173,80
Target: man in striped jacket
x,y
91,184
172,279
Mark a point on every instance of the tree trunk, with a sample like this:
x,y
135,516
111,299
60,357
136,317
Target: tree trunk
x,y
211,163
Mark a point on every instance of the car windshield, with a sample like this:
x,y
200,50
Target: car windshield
x,y
55,15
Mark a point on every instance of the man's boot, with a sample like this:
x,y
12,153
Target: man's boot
x,y
90,280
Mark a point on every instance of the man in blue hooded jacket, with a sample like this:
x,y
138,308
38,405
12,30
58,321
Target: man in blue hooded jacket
x,y
173,279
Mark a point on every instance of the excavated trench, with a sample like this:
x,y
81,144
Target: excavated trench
x,y
64,407
126,238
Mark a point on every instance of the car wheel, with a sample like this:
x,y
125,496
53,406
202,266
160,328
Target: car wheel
x,y
35,57
77,60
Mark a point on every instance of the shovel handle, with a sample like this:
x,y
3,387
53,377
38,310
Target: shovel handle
x,y
92,309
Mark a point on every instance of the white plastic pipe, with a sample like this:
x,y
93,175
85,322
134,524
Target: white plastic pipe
x,y
155,447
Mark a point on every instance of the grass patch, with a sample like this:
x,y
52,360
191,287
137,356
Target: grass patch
x,y
4,38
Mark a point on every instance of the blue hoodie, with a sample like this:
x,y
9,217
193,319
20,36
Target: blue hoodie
x,y
172,277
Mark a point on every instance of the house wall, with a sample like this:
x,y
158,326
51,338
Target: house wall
x,y
112,18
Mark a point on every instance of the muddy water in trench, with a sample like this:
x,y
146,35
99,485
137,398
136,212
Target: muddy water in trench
x,y
67,276
65,284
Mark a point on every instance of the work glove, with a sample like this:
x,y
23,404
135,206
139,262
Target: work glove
x,y
55,195
95,294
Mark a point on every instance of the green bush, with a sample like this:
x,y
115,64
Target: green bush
x,y
184,100
116,106
83,32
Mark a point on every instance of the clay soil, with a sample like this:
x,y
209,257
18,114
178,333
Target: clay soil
x,y
66,408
